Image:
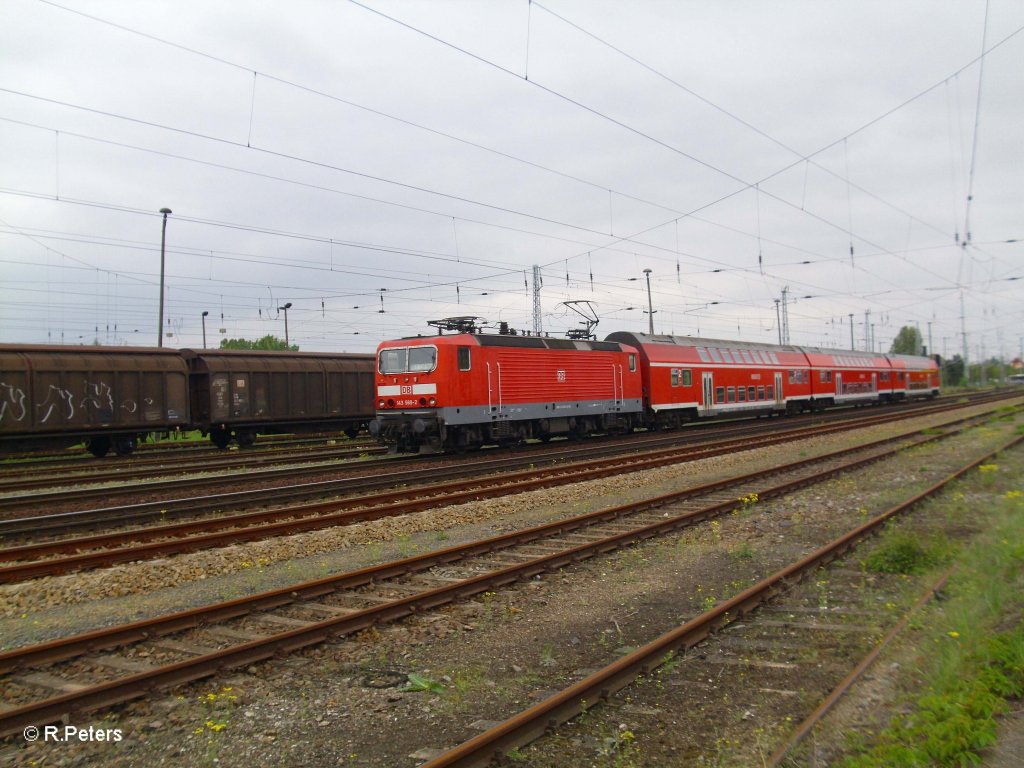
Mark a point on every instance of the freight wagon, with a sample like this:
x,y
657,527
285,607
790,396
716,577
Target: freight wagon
x,y
113,397
54,397
239,394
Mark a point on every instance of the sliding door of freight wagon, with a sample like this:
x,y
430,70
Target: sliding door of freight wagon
x,y
315,395
240,397
259,393
128,386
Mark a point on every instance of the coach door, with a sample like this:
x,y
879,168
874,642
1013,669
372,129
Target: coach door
x,y
779,399
709,392
839,383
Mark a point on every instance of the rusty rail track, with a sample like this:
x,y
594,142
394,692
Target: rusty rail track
x,y
596,688
49,558
293,492
513,557
81,473
805,727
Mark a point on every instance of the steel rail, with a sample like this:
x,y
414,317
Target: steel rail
x,y
110,637
135,685
45,477
290,492
532,723
187,537
840,690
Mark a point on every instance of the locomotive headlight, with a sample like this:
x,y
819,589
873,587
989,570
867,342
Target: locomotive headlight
x,y
380,405
432,401
391,403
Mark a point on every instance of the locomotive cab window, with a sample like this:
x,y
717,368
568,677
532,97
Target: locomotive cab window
x,y
408,360
632,361
422,359
393,360
464,358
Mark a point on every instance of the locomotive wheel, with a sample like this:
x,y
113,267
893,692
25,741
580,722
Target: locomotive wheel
x,y
98,446
124,446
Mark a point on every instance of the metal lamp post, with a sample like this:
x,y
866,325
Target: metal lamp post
x,y
650,304
285,308
163,243
205,313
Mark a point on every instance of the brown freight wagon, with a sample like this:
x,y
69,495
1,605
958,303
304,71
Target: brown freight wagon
x,y
108,397
237,394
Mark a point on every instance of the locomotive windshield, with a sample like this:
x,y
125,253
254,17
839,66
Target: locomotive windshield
x,y
408,360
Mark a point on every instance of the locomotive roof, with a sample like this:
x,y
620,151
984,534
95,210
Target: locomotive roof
x,y
508,340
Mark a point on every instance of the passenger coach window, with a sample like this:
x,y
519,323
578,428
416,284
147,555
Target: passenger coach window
x,y
687,375
464,358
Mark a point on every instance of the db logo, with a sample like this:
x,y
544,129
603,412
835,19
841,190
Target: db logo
x,y
560,375
406,389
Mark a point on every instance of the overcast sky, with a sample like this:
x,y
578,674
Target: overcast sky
x,y
380,164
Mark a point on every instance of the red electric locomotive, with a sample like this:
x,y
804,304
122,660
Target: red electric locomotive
x,y
469,389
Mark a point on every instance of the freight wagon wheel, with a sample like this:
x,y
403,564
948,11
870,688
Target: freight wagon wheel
x,y
98,446
124,446
220,437
245,438
351,433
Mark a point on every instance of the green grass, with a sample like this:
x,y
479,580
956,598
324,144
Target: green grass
x,y
972,647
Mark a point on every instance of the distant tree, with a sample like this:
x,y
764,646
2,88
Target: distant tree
x,y
907,342
953,371
268,342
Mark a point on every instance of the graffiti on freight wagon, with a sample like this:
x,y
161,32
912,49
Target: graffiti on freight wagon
x,y
60,404
12,401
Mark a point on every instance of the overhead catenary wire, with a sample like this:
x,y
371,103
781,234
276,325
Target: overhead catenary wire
x,y
904,251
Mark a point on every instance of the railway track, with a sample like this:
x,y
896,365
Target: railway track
x,y
46,477
53,557
600,686
348,482
247,630
13,502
